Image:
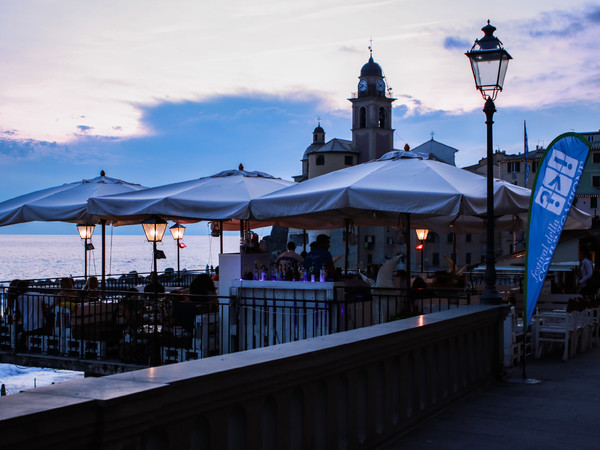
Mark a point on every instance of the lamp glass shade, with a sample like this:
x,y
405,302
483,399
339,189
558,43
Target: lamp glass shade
x,y
177,231
489,62
154,228
422,233
85,231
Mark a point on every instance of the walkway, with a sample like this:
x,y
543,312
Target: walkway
x,y
563,412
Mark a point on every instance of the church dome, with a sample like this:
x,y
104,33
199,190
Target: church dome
x,y
371,68
319,129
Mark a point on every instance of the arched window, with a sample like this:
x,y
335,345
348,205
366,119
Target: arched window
x,y
320,160
381,118
363,118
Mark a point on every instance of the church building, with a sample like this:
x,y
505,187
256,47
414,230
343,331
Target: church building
x,y
372,137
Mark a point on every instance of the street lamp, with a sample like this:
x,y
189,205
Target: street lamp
x,y
421,236
177,231
154,228
85,232
489,62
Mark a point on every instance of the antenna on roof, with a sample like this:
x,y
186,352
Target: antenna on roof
x,y
432,135
371,46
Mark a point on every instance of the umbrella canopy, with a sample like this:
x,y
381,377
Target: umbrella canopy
x,y
225,195
435,194
65,203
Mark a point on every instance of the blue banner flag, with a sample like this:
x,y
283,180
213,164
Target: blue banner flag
x,y
551,198
526,151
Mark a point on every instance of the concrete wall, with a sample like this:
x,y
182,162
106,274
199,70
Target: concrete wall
x,y
348,390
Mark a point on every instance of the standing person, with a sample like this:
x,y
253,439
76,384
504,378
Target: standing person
x,y
287,260
586,270
319,257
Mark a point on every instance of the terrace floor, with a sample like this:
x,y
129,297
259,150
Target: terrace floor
x,y
562,412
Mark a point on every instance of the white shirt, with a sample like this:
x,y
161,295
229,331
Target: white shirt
x,y
30,305
587,269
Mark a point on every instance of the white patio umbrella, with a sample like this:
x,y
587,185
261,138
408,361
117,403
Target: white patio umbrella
x,y
435,195
223,196
64,203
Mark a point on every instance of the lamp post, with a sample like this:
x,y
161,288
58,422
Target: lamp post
x,y
154,228
177,231
421,236
489,62
85,232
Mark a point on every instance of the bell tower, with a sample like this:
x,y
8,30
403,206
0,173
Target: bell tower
x,y
372,132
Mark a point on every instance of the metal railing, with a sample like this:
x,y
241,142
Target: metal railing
x,y
147,328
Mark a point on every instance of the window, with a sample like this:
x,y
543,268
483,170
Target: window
x,y
534,165
596,157
320,160
593,202
381,118
468,258
596,181
449,238
363,118
435,259
348,160
514,166
468,237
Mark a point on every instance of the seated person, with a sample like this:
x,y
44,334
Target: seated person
x,y
202,290
91,288
319,257
154,285
183,314
32,308
419,283
67,297
11,296
132,308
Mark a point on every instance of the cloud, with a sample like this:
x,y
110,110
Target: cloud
x,y
348,49
27,149
451,42
594,15
564,24
84,128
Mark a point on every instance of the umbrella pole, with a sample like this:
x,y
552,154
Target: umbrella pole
x,y
221,234
85,260
103,285
304,239
408,250
242,235
346,247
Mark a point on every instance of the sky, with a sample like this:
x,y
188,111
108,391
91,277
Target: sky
x,y
156,92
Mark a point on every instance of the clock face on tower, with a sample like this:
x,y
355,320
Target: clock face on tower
x,y
380,85
362,86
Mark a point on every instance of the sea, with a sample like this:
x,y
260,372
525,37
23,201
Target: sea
x,y
56,256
